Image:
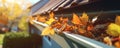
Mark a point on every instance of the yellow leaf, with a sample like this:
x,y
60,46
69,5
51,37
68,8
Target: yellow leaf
x,y
51,15
113,29
76,19
84,18
50,21
48,31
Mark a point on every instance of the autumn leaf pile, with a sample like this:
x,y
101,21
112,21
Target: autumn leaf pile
x,y
107,32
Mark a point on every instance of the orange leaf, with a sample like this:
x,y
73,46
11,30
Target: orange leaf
x,y
61,18
51,15
117,20
76,19
31,19
117,44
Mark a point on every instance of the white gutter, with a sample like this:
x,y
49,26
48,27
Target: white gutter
x,y
85,41
43,24
75,37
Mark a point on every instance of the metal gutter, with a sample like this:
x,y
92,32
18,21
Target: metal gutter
x,y
81,40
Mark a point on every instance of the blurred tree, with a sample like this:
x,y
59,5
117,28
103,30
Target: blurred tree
x,y
3,2
22,25
12,11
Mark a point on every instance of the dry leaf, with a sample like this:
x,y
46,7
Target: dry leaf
x,y
117,44
107,40
31,19
49,22
84,19
41,19
117,20
51,15
48,31
61,18
76,19
113,29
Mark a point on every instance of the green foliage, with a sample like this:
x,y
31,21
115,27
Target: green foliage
x,y
1,38
21,40
16,35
